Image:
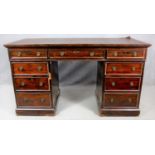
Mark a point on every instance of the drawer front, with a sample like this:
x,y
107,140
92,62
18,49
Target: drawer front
x,y
30,68
31,84
122,83
36,100
124,68
23,53
121,100
126,53
77,53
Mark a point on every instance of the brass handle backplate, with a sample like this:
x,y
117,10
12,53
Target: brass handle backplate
x,y
42,100
40,68
133,68
41,84
130,100
22,84
92,54
38,54
111,100
19,54
115,54
113,68
21,68
62,54
113,84
134,54
131,84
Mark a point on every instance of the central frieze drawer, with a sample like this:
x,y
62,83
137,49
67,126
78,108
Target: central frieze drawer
x,y
123,100
123,68
31,84
122,83
30,68
27,53
34,100
77,53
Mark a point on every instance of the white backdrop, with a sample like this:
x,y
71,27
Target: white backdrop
x,y
84,68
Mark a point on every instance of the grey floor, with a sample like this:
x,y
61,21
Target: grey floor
x,y
75,103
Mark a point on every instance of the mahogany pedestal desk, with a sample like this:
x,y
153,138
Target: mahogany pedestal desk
x,y
34,65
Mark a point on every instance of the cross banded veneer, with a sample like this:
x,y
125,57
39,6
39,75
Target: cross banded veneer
x,y
34,65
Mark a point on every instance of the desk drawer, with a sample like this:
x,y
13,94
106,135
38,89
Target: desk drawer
x,y
24,53
122,83
126,53
31,84
77,53
120,100
123,68
34,100
27,68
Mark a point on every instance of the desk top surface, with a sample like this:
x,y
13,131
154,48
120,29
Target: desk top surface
x,y
78,42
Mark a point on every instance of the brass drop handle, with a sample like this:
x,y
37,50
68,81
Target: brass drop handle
x,y
131,84
76,52
62,54
21,68
115,54
134,54
19,54
26,100
113,68
113,84
40,68
22,84
38,54
130,100
111,100
92,54
42,100
133,68
41,84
